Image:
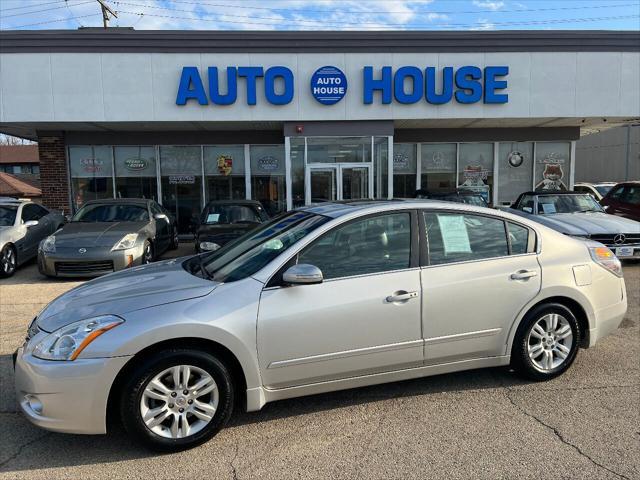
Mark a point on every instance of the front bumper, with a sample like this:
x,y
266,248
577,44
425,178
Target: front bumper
x,y
96,261
69,397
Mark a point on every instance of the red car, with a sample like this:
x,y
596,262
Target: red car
x,y
623,200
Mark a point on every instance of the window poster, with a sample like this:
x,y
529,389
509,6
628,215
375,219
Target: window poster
x,y
455,237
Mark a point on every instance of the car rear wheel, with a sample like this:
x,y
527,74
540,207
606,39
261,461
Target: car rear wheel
x,y
8,261
180,399
546,342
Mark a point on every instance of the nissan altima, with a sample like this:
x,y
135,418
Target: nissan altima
x,y
322,298
108,235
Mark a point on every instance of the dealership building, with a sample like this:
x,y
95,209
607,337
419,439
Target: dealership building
x,y
290,118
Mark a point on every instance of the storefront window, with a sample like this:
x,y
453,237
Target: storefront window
x,y
135,172
268,177
515,170
224,171
91,174
438,167
404,170
181,173
338,150
475,168
381,167
296,147
552,165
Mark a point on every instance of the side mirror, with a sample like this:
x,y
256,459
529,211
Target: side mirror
x,y
161,216
31,223
302,274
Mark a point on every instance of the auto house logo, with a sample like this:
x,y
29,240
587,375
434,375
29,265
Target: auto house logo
x,y
619,239
328,85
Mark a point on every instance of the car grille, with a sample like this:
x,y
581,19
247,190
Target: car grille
x,y
609,239
84,268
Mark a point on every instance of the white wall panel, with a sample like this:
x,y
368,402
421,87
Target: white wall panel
x,y
598,83
25,81
553,85
78,91
128,87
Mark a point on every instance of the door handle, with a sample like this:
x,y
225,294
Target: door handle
x,y
401,296
524,274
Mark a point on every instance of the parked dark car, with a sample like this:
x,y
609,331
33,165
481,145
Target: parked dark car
x,y
457,196
224,220
108,235
623,200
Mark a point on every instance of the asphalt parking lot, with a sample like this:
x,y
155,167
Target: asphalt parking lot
x,y
478,424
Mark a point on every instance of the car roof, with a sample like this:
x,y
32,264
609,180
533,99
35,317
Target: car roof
x,y
553,192
255,203
129,201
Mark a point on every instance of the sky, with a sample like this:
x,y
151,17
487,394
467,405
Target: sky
x,y
326,14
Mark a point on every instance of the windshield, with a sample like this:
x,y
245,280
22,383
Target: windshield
x,y
251,252
476,200
550,204
604,189
111,212
229,214
8,215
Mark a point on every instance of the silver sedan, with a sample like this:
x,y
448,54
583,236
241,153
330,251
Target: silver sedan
x,y
318,299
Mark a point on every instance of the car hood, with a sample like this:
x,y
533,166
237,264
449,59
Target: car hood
x,y
95,234
125,291
589,223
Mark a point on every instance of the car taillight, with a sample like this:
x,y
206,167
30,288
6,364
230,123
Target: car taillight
x,y
606,258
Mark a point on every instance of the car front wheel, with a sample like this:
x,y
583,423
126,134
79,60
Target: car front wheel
x,y
546,342
8,261
147,253
178,400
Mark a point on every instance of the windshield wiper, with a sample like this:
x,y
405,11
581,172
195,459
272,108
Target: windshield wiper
x,y
205,273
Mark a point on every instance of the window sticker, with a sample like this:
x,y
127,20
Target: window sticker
x,y
213,217
548,208
454,234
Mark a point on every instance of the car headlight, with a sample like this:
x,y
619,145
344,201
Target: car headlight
x,y
67,342
209,246
128,241
49,244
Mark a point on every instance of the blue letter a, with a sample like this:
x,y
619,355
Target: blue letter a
x,y
191,77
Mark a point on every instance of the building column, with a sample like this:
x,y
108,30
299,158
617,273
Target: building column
x,y
54,174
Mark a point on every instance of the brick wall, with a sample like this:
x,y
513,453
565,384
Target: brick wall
x,y
54,180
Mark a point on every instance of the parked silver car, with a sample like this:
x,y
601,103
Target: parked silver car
x,y
108,235
322,298
22,225
580,215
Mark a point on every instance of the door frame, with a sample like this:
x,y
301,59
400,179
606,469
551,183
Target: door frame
x,y
337,168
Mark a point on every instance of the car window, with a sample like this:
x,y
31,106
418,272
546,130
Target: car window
x,y
603,189
32,212
229,214
631,195
457,237
8,215
111,212
526,204
371,245
519,238
617,193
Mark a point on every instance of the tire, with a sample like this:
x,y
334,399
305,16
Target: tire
x,y
170,434
147,253
8,261
175,241
541,352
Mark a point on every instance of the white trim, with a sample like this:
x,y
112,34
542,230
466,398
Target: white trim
x,y
533,167
462,336
287,173
572,164
158,174
390,167
371,162
113,168
203,202
418,166
494,193
247,171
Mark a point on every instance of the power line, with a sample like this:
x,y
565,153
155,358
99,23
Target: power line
x,y
53,21
406,26
30,6
45,9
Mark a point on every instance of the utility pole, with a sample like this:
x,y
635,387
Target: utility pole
x,y
106,11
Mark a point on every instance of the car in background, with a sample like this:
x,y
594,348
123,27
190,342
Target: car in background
x,y
580,215
23,224
108,235
458,196
624,200
598,190
321,298
224,220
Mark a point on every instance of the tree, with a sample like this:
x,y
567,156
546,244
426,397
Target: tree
x,y
10,140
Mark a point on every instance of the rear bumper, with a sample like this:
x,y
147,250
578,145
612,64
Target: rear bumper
x,y
68,397
607,320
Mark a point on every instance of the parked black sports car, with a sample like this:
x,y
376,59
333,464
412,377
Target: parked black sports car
x,y
224,220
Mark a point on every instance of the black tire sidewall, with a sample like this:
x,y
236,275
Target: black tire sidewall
x,y
15,259
147,244
520,356
132,391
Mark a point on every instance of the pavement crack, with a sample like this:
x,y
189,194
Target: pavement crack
x,y
234,472
23,446
559,435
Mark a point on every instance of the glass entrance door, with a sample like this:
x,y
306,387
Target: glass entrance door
x,y
330,182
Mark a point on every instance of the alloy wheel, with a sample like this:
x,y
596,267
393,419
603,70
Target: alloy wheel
x,y
179,401
8,261
147,256
549,342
